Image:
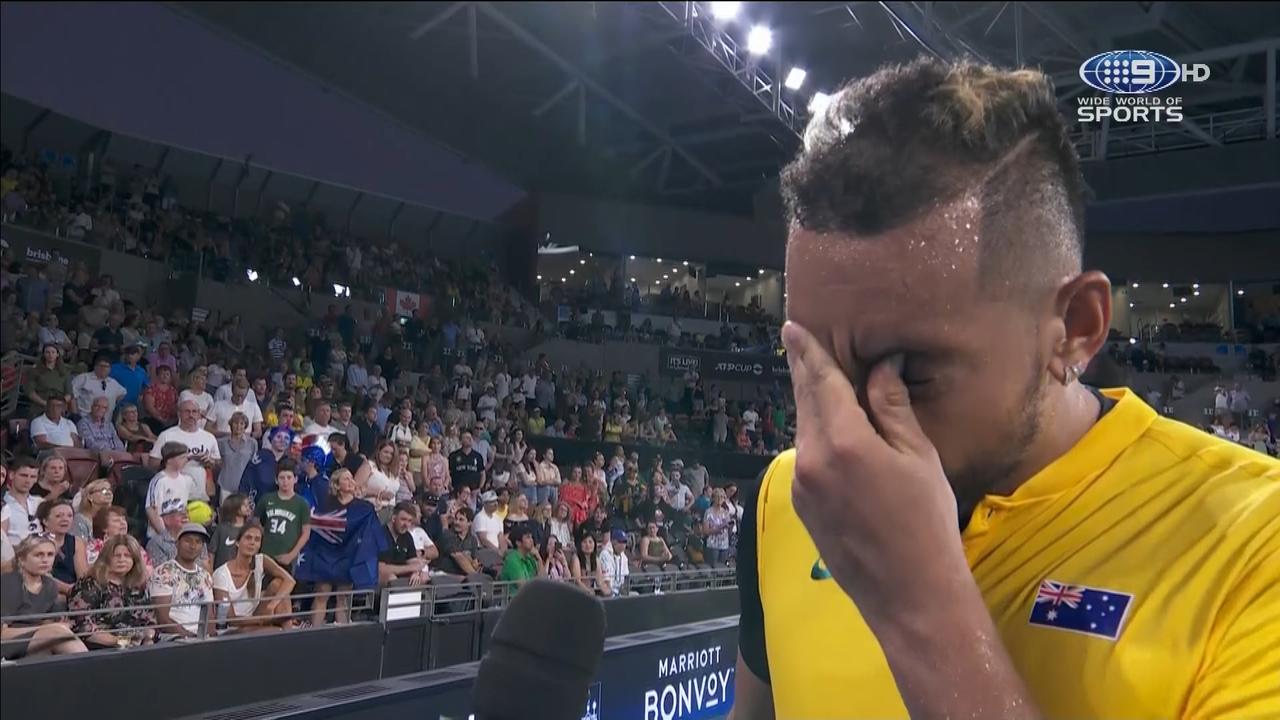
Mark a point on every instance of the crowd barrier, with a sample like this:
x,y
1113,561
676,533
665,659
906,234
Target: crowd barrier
x,y
413,630
683,672
720,465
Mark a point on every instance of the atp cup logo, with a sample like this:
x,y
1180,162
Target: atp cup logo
x,y
1131,79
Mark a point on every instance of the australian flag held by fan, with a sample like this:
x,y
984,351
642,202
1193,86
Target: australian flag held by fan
x,y
344,545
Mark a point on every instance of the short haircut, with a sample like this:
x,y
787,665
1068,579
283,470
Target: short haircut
x,y
287,464
520,533
24,462
102,519
405,506
891,147
338,439
45,508
465,512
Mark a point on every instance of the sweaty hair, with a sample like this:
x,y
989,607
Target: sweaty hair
x,y
891,147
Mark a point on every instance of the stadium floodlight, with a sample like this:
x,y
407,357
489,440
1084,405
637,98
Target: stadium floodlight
x,y
1182,299
675,270
666,277
1240,292
252,274
340,290
686,263
296,281
659,259
1130,304
633,257
819,103
571,272
725,10
564,280
737,284
1196,293
761,271
1195,286
582,262
795,78
1171,305
633,279
1133,341
1134,286
759,40
1165,285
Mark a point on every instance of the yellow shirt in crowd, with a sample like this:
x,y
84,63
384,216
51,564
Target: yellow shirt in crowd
x,y
1138,576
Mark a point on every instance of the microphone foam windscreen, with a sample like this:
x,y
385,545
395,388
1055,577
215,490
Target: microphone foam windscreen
x,y
542,656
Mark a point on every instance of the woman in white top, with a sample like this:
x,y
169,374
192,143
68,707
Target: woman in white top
x,y
561,525
548,477
252,587
380,489
526,475
196,392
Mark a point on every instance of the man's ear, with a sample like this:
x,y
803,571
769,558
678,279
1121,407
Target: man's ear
x,y
1084,305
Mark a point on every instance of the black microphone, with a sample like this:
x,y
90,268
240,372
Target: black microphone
x,y
543,656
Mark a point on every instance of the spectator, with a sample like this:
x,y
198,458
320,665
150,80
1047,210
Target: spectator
x,y
252,588
460,549
717,522
98,383
115,591
95,496
49,379
237,450
57,517
518,516
235,512
224,391
163,357
376,387
196,391
383,482
575,494
1239,401
259,476
400,561
53,482
163,544
130,375
523,563
343,424
135,434
51,334
202,447
526,473
277,346
343,550
285,518
557,567
170,489
182,587
357,377
613,562
52,430
435,470
466,466
367,428
586,570
654,551
548,478
696,475
160,401
108,523
31,591
401,432
679,495
96,430
561,524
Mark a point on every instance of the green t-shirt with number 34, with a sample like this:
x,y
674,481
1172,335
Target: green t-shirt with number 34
x,y
282,522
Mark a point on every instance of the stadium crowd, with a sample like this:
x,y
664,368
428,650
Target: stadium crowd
x,y
165,465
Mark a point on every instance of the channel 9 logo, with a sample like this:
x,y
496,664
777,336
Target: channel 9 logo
x,y
1131,79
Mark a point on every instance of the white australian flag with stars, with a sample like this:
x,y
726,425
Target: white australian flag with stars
x,y
1082,609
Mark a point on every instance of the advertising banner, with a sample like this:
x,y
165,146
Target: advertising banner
x,y
718,365
29,246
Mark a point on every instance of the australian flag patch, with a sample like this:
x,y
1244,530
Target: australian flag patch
x,y
1081,609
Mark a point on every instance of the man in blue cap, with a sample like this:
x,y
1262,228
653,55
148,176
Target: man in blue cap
x,y
613,562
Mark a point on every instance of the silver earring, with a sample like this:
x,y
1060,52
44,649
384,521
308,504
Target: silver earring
x,y
1070,375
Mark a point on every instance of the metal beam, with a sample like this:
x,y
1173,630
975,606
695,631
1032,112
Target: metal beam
x,y
1199,133
436,21
474,44
1018,57
618,103
30,128
235,189
391,222
561,94
164,157
582,116
696,138
1269,99
644,162
311,194
1057,24
665,172
257,204
351,210
213,176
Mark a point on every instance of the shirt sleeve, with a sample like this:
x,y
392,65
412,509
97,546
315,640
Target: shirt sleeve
x,y
1238,677
751,641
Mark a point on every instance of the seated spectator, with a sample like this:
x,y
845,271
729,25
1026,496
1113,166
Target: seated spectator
x,y
132,377
95,428
383,481
598,524
435,469
135,434
459,553
95,496
53,481
49,379
523,563
70,563
97,383
160,401
561,524
252,587
234,513
586,570
116,582
196,391
400,562
557,567
576,495
163,545
655,554
52,430
51,334
613,562
108,523
31,591
181,587
516,517
488,524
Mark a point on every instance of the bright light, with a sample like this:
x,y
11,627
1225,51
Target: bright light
x,y
1165,285
1135,285
1196,293
564,280
572,272
1171,305
582,262
795,78
737,284
633,257
659,259
1240,292
725,10
539,277
685,263
1195,286
1182,299
253,275
1133,341
819,103
1130,304
761,271
664,277
759,40
339,290
675,270
633,279
297,282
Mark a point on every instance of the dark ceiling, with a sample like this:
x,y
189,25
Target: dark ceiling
x,y
617,99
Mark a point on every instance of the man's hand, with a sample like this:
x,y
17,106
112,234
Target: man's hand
x,y
869,486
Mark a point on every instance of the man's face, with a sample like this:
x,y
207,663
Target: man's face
x,y
286,480
323,414
526,543
189,547
23,479
975,366
280,441
99,409
54,409
402,522
260,387
286,417
290,382
466,441
344,413
189,416
461,524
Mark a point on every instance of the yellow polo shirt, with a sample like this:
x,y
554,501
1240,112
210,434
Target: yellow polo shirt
x,y
1137,576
